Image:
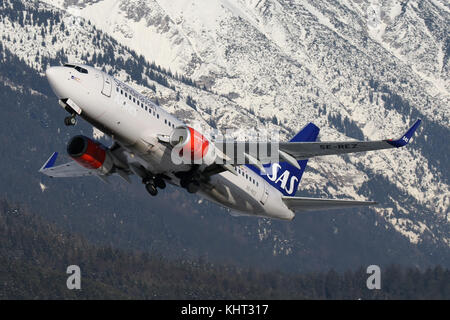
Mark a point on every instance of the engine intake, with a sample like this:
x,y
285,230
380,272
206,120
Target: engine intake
x,y
190,146
90,154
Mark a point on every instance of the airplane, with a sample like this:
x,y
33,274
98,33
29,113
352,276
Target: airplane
x,y
160,149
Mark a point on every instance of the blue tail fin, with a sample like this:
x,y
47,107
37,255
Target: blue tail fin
x,y
283,176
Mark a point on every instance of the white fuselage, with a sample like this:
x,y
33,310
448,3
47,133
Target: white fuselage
x,y
135,122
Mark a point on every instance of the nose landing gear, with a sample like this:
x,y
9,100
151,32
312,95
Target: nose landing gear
x,y
70,120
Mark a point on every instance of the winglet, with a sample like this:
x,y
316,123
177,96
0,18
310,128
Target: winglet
x,y
403,141
50,162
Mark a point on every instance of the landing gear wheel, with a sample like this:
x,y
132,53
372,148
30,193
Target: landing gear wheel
x,y
184,183
151,188
160,183
193,187
148,181
70,121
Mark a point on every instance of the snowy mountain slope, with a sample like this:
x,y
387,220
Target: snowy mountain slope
x,y
198,28
281,64
300,61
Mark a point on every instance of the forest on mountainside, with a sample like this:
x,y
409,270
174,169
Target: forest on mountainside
x,y
35,254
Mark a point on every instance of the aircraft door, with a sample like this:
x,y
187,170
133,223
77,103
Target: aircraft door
x,y
107,85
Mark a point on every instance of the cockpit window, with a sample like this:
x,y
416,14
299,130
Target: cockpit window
x,y
80,69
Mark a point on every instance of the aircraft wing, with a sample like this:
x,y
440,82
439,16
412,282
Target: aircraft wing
x,y
237,153
313,204
70,169
306,150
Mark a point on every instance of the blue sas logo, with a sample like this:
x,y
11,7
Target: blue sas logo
x,y
286,181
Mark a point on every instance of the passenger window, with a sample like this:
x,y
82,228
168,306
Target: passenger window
x,y
121,91
134,100
126,95
157,115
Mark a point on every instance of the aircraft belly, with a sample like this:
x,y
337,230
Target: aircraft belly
x,y
157,160
231,195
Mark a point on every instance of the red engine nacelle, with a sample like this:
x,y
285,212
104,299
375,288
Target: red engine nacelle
x,y
90,154
191,146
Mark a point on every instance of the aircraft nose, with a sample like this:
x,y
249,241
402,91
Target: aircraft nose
x,y
50,73
55,78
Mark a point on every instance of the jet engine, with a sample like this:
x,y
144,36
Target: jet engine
x,y
191,147
90,154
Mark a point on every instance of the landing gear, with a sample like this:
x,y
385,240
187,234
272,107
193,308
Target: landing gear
x,y
193,187
190,180
151,188
70,120
154,182
159,182
184,183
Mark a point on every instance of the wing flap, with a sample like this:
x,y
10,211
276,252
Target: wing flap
x,y
313,204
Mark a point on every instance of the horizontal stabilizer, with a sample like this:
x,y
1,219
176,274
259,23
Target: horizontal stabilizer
x,y
313,204
70,169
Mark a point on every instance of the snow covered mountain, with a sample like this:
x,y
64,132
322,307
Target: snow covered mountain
x,y
358,69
